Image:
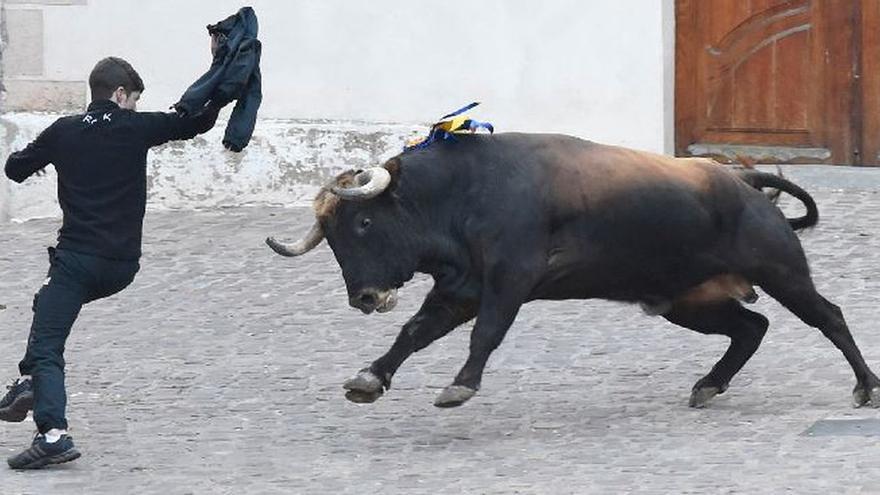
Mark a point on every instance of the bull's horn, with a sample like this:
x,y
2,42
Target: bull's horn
x,y
304,245
370,183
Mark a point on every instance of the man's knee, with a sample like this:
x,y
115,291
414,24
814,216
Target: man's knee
x,y
39,293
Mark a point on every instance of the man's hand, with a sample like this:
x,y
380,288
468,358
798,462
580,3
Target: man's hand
x,y
217,40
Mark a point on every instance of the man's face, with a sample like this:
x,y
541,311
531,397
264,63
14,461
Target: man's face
x,y
127,101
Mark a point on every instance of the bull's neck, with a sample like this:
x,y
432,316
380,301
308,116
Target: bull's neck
x,y
434,193
439,239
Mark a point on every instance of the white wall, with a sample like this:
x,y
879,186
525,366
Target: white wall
x,y
285,164
347,81
590,68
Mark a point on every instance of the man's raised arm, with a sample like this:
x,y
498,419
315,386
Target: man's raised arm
x,y
162,127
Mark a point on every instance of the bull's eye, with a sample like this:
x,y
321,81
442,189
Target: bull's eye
x,y
364,225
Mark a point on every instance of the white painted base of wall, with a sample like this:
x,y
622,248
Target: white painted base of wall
x,y
285,164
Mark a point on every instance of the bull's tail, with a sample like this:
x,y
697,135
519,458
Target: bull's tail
x,y
760,180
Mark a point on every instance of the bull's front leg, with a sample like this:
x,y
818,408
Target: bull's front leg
x,y
439,315
495,316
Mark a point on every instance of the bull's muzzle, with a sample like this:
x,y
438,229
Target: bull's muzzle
x,y
369,300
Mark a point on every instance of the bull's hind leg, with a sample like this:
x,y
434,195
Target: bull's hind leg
x,y
745,329
801,298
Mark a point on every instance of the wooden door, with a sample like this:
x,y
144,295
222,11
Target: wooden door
x,y
774,80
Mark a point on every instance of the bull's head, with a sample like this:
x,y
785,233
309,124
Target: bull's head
x,y
366,229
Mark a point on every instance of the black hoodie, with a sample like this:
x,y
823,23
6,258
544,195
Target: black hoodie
x,y
101,160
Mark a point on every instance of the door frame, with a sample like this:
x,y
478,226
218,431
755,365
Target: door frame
x,y
869,81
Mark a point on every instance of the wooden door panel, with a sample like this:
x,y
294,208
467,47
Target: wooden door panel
x,y
761,75
870,82
778,71
793,69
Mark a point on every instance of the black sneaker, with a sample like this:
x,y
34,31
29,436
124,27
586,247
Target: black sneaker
x,y
43,453
15,405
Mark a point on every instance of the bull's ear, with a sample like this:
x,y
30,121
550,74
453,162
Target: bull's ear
x,y
393,168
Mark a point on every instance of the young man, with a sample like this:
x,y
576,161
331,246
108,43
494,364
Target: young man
x,y
100,157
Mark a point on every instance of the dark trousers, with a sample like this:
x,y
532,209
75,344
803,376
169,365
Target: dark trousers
x,y
74,279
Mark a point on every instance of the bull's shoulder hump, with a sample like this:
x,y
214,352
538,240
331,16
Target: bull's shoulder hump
x,y
539,139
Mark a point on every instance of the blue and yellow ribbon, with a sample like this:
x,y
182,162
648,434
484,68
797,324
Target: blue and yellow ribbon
x,y
449,125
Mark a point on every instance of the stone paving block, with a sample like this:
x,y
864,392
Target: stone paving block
x,y
220,369
868,427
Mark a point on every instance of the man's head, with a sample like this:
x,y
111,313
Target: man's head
x,y
116,80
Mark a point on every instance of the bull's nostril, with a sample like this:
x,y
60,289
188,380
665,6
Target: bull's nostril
x,y
367,300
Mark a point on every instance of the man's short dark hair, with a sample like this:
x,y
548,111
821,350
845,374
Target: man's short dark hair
x,y
111,73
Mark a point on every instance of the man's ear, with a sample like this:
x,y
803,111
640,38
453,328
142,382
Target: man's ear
x,y
119,95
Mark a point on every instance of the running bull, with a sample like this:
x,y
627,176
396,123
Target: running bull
x,y
502,220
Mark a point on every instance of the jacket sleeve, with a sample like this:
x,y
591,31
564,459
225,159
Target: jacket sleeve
x,y
244,116
238,72
36,155
200,91
161,127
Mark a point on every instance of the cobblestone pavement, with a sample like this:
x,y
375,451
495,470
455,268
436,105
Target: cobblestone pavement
x,y
220,369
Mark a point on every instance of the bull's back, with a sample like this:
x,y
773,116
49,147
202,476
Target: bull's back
x,y
571,183
588,176
623,223
606,218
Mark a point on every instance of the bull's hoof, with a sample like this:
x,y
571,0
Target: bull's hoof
x,y
454,396
700,396
703,391
364,387
359,397
865,395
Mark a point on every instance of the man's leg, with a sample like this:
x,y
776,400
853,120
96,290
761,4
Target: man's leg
x,y
74,280
56,307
